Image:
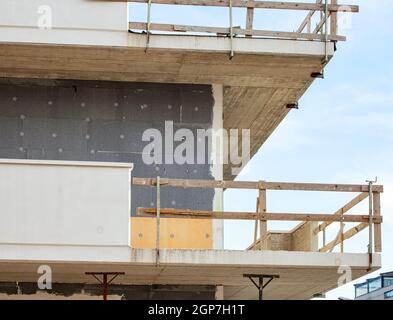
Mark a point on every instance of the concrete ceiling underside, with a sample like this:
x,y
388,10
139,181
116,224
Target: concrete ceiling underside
x,y
301,274
257,87
294,283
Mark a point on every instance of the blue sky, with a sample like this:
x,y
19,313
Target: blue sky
x,y
342,133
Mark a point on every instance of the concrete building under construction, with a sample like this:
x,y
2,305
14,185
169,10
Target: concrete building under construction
x,y
81,84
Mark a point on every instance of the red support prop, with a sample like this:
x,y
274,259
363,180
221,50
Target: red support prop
x,y
105,283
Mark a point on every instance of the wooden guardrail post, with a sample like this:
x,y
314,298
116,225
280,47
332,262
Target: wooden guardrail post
x,y
342,225
333,20
377,226
249,20
262,210
256,223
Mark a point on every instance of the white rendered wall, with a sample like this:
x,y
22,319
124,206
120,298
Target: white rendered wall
x,y
64,203
72,21
81,14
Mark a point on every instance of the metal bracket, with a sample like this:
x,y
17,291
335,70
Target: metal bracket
x,y
318,74
294,105
372,181
261,285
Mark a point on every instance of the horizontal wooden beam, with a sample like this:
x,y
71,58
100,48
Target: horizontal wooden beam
x,y
203,214
236,31
195,183
223,184
254,4
348,234
342,210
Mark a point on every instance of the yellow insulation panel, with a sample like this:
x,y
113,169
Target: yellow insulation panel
x,y
174,233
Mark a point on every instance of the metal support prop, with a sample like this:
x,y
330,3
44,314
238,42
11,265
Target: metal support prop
x,y
370,220
231,29
148,25
158,221
104,282
326,30
261,285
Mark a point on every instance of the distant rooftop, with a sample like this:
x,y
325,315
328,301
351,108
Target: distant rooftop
x,y
373,284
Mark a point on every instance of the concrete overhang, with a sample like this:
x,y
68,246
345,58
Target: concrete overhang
x,y
302,274
259,81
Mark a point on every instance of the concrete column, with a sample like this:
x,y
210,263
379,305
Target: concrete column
x,y
217,168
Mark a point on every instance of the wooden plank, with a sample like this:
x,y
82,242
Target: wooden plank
x,y
333,20
292,35
177,28
305,22
320,187
194,183
321,23
262,223
227,184
249,21
377,226
255,4
349,234
339,237
204,214
342,210
256,223
342,225
236,30
307,19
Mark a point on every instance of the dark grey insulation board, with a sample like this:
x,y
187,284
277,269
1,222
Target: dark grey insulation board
x,y
104,121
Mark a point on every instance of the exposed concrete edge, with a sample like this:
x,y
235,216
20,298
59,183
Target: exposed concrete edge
x,y
240,45
256,258
170,257
67,163
99,38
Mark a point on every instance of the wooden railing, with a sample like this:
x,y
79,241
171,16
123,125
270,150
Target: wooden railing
x,y
372,219
328,10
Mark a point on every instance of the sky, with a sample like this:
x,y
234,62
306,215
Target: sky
x,y
342,132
